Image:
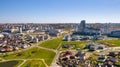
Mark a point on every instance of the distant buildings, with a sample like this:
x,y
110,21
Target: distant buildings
x,y
82,26
81,38
106,28
83,30
54,32
13,30
115,34
7,31
67,38
20,30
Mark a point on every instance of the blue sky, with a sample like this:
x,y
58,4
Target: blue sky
x,y
59,11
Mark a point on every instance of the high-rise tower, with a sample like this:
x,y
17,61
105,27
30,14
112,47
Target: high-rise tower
x,y
106,28
82,25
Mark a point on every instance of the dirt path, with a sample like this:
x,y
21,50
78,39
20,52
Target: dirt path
x,y
22,63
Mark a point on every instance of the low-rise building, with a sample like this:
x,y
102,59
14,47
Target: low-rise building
x,y
115,34
95,46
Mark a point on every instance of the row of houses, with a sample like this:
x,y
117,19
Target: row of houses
x,y
79,59
109,60
115,33
36,38
77,37
71,59
95,46
12,42
51,32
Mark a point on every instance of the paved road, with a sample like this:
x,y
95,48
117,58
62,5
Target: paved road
x,y
55,60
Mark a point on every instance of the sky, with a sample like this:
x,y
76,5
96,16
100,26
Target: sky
x,y
59,11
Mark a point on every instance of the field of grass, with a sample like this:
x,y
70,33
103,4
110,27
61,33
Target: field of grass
x,y
52,44
115,42
33,53
118,63
33,63
78,44
12,63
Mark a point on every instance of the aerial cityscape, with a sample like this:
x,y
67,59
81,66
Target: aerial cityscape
x,y
59,33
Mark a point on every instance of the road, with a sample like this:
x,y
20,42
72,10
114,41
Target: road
x,y
55,60
47,49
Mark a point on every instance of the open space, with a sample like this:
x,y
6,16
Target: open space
x,y
52,44
33,53
12,63
77,44
33,63
115,42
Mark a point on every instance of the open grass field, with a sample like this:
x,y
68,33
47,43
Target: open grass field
x,y
77,44
12,63
33,53
118,63
114,41
33,63
52,44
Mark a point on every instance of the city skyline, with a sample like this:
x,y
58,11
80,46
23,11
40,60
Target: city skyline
x,y
59,11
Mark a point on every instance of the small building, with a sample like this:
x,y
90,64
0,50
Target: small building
x,y
115,34
35,40
102,58
67,38
95,46
81,55
54,32
24,46
2,49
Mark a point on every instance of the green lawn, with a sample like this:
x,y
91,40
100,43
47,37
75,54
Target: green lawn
x,y
12,63
33,53
53,44
118,63
33,63
115,42
78,44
